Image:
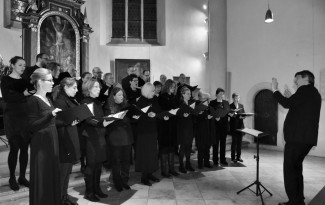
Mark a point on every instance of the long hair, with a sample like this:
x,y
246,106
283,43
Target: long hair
x,y
183,91
168,84
86,86
59,89
112,105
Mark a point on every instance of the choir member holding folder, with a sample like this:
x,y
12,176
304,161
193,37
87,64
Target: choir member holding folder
x,y
146,154
69,149
167,132
236,122
222,107
44,147
96,144
119,138
185,130
204,132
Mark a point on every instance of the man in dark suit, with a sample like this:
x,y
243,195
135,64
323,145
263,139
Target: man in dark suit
x,y
41,62
300,131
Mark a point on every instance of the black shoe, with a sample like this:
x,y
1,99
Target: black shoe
x,y
65,200
126,186
23,181
189,168
216,163
208,165
91,197
118,187
174,173
13,184
166,175
145,182
240,159
284,203
234,160
224,162
182,170
153,178
100,194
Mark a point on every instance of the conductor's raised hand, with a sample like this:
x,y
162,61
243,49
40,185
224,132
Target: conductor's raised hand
x,y
105,123
152,114
55,111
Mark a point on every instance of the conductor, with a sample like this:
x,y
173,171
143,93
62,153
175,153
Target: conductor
x,y
300,131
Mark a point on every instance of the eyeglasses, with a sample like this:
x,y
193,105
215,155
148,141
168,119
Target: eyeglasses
x,y
51,80
46,59
135,80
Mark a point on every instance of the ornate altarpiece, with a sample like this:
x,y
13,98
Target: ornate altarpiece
x,y
55,27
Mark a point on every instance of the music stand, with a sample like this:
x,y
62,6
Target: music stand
x,y
257,134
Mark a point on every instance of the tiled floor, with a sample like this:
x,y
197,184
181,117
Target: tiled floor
x,y
217,186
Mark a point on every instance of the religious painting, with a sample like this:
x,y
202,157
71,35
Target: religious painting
x,y
122,65
59,38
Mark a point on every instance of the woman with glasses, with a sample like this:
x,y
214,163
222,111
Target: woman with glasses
x,y
14,93
44,146
96,144
69,149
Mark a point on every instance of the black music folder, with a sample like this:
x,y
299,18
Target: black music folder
x,y
80,113
218,112
135,110
168,113
184,109
200,107
116,116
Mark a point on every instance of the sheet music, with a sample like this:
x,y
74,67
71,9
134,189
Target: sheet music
x,y
173,111
251,131
118,115
91,107
145,109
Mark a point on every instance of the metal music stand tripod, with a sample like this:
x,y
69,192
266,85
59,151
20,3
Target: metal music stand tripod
x,y
258,192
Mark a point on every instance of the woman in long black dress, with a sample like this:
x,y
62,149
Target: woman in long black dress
x,y
69,149
146,153
119,138
185,132
96,144
204,134
44,146
167,137
14,92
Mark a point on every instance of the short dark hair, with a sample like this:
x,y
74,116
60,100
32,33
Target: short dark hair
x,y
310,75
219,90
132,76
83,75
157,83
40,55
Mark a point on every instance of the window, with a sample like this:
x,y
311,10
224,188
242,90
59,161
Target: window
x,y
134,21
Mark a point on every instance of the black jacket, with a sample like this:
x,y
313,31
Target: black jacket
x,y
301,123
69,149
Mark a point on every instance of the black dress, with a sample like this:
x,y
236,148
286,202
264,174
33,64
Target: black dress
x,y
146,160
15,120
167,130
44,150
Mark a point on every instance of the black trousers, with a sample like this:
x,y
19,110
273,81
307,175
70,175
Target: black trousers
x,y
65,171
294,155
120,163
220,139
237,139
203,155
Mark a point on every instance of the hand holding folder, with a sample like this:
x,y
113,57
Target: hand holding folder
x,y
217,113
168,113
116,116
184,109
79,113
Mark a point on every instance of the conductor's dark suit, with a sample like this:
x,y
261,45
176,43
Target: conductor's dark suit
x,y
300,134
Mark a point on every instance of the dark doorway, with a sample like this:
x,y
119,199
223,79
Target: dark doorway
x,y
266,116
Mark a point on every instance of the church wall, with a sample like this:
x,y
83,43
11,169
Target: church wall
x,y
257,51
